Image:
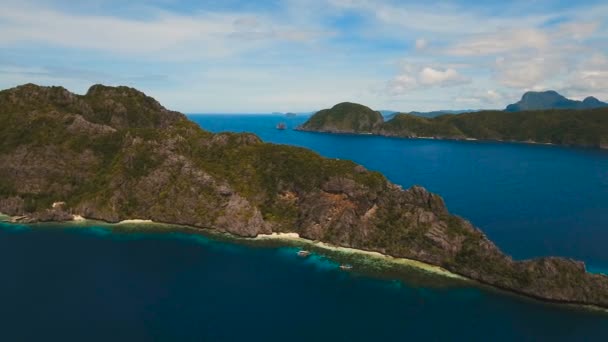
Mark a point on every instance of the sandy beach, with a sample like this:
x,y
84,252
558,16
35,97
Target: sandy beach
x,y
400,261
136,221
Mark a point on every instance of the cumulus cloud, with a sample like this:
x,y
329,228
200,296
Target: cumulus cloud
x,y
498,48
419,77
529,58
435,77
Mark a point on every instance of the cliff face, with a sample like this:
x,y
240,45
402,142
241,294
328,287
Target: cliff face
x,y
115,154
563,127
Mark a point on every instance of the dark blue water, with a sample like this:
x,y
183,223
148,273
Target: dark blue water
x,y
89,284
75,283
532,200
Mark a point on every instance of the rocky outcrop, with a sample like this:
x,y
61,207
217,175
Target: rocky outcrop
x,y
116,154
81,126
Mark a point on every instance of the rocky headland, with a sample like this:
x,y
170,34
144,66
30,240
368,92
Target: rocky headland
x,y
115,153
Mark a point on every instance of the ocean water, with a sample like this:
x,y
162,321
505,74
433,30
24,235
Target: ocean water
x,y
532,200
76,282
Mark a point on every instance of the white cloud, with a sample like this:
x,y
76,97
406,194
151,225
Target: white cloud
x,y
482,99
434,77
529,58
285,56
527,71
589,78
500,42
417,77
443,18
421,44
577,30
164,35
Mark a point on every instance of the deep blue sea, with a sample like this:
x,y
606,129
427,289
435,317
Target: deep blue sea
x,y
71,283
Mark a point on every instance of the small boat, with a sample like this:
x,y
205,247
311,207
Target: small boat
x,y
346,267
281,126
303,253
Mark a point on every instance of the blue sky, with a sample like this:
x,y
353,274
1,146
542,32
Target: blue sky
x,y
303,55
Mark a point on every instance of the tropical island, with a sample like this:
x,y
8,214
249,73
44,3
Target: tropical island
x,y
586,127
550,99
116,154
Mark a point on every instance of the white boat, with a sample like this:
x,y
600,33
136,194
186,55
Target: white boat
x,y
346,267
303,253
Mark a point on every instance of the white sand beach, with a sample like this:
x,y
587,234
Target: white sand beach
x,y
400,261
136,221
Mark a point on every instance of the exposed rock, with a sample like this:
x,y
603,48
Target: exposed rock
x,y
241,218
13,206
115,154
80,125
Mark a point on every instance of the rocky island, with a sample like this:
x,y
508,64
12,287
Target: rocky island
x,y
550,99
574,127
115,154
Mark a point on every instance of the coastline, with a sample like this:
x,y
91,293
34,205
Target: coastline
x,y
376,255
134,221
295,238
601,147
291,237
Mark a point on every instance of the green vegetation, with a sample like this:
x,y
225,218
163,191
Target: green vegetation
x,y
411,125
346,118
587,127
115,153
564,127
137,147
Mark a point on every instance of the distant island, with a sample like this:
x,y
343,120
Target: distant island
x,y
116,154
575,127
550,99
430,114
531,100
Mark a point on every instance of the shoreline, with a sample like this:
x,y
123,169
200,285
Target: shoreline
x,y
376,255
292,237
526,142
295,238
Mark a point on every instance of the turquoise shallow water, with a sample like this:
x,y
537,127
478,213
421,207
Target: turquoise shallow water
x,y
66,282
72,283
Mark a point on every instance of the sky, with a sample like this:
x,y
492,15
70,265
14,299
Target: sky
x,y
241,56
